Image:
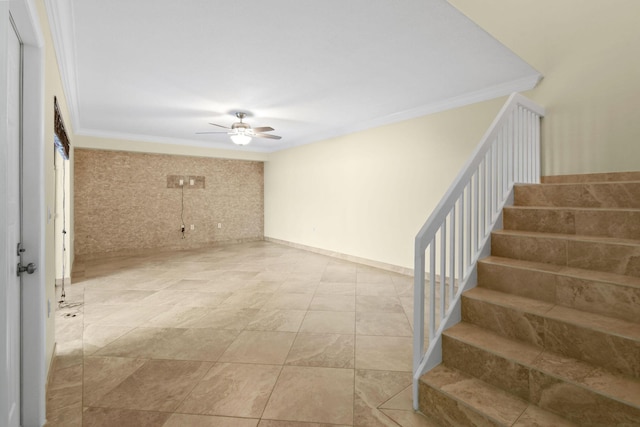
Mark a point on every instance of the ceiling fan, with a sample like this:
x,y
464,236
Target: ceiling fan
x,y
241,132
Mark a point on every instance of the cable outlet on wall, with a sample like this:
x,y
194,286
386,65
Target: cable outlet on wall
x,y
193,227
219,225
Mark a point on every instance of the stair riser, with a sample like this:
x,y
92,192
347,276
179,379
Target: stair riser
x,y
449,412
583,195
577,403
509,323
610,299
599,256
619,224
615,353
490,368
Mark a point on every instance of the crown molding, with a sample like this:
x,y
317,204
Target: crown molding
x,y
61,23
497,91
486,94
165,140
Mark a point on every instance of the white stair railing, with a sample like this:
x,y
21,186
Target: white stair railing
x,y
458,231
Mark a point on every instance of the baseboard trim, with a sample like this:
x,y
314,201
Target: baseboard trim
x,y
345,257
80,258
52,367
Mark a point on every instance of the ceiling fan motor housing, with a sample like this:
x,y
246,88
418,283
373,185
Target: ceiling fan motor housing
x,y
240,126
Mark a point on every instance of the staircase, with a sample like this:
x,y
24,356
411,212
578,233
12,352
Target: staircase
x,y
551,334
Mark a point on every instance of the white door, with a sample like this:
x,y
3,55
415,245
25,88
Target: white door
x,y
12,303
23,302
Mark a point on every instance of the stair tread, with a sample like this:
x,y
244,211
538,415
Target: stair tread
x,y
574,237
509,300
549,184
599,177
571,208
620,388
485,339
606,324
494,403
476,394
536,416
579,273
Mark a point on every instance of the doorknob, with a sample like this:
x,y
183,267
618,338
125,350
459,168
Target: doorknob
x,y
30,268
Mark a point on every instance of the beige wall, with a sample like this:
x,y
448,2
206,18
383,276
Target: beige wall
x,y
589,53
367,194
63,217
123,205
53,87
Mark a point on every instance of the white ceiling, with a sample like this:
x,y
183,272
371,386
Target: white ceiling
x,y
160,70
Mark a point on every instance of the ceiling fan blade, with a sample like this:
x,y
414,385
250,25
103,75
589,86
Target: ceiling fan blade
x,y
263,129
220,126
266,135
203,133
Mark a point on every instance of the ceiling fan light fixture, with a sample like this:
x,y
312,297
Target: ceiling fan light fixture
x,y
241,133
241,139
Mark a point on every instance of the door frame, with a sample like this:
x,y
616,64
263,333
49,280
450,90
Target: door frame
x,y
34,304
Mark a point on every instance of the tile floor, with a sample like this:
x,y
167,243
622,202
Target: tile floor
x,y
255,334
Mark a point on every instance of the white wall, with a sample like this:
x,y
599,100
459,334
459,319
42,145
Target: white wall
x,y
367,194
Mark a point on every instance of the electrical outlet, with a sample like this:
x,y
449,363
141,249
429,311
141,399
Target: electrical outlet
x,y
182,228
193,227
219,225
191,182
181,182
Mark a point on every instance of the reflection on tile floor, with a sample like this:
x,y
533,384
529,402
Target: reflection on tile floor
x,y
255,334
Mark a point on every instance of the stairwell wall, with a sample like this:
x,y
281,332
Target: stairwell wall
x,y
53,88
589,54
367,194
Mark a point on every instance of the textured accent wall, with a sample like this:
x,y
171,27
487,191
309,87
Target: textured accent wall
x,y
123,203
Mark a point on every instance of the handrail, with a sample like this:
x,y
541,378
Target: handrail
x,y
508,153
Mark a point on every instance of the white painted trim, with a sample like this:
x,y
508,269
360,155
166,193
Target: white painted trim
x,y
6,397
52,365
497,91
60,15
33,286
164,140
351,258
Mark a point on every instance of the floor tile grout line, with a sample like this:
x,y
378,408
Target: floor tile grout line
x,y
271,392
298,333
186,396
